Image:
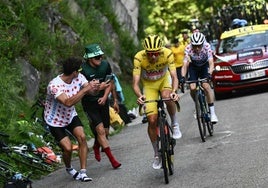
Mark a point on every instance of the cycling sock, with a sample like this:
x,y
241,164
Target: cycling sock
x,y
73,173
155,147
174,119
212,110
210,104
113,161
96,149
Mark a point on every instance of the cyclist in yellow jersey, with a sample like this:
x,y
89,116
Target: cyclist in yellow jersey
x,y
154,67
178,52
185,38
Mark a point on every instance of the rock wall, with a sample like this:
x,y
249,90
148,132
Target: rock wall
x,y
127,14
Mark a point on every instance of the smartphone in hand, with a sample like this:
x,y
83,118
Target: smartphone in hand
x,y
108,78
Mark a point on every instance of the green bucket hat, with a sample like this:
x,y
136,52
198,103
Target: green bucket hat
x,y
92,50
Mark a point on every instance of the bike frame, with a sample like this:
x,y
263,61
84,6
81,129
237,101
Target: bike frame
x,y
202,109
165,140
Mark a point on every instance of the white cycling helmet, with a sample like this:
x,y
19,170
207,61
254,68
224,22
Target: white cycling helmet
x,y
197,38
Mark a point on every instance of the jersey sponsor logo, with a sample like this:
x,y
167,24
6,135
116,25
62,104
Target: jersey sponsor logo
x,y
154,72
92,76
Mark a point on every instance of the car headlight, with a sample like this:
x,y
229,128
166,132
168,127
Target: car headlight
x,y
222,68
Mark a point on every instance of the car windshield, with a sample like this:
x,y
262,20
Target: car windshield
x,y
236,43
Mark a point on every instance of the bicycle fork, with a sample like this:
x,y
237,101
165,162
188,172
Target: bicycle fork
x,y
204,108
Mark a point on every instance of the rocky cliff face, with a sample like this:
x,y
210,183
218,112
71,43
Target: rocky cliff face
x,y
127,15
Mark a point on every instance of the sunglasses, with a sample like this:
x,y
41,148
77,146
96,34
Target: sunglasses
x,y
197,46
151,54
98,57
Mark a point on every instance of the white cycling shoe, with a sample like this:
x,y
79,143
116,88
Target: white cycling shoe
x,y
157,164
214,118
176,132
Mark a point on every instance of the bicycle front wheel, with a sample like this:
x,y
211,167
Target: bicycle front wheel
x,y
170,150
163,149
199,117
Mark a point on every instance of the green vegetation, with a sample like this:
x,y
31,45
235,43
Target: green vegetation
x,y
26,33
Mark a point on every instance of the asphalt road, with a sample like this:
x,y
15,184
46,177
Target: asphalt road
x,y
235,157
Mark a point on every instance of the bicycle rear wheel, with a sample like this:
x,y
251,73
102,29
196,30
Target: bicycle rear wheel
x,y
210,128
206,113
163,149
199,118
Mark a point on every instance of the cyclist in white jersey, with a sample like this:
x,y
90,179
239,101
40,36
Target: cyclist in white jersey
x,y
198,60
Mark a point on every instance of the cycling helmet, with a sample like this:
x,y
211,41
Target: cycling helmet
x,y
197,38
152,43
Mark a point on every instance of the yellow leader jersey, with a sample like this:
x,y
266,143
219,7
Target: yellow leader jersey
x,y
178,55
153,71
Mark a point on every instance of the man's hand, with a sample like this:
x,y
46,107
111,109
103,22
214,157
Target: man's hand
x,y
104,85
174,96
116,107
209,76
102,101
93,87
141,99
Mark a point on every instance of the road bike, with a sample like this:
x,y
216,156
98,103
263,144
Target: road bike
x,y
10,176
165,140
201,108
21,155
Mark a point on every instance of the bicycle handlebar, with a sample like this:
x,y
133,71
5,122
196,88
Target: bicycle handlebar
x,y
157,101
198,80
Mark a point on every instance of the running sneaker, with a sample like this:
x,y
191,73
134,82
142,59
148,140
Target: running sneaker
x,y
176,132
75,174
157,164
84,177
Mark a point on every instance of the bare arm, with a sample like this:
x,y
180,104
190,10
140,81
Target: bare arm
x,y
184,68
70,101
211,66
137,90
135,85
107,89
114,95
174,78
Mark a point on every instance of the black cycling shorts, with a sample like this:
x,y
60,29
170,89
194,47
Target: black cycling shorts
x,y
196,72
59,132
97,114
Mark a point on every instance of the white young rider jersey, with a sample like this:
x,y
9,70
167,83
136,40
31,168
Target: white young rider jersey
x,y
56,114
198,59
